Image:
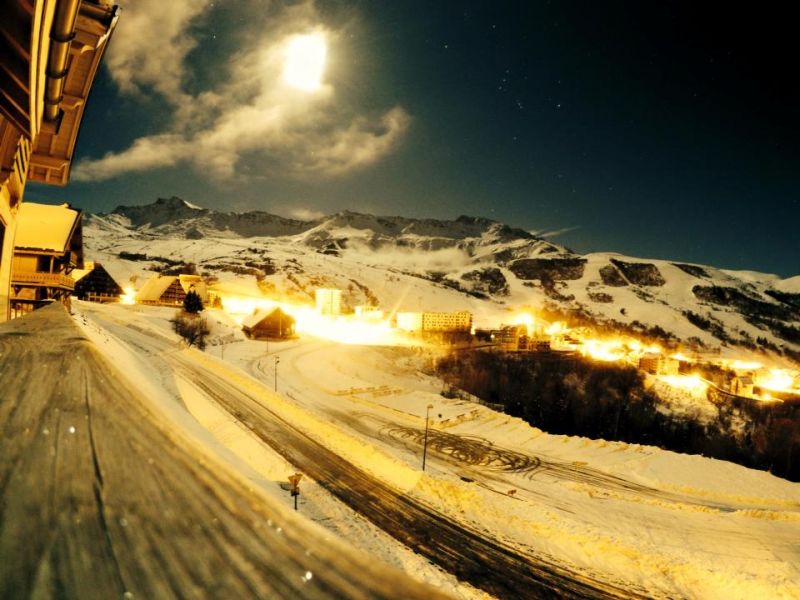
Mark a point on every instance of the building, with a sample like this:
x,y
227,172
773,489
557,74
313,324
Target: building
x,y
49,246
329,301
50,51
94,284
512,338
269,324
171,290
447,321
434,321
368,313
657,364
743,386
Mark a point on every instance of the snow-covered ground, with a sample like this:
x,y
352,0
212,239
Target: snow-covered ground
x,y
671,524
410,265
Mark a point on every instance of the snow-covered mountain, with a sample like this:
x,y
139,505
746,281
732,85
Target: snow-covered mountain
x,y
468,263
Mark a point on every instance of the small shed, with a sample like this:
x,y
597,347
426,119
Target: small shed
x,y
95,284
269,324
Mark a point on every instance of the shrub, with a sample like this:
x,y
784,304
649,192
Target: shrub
x,y
191,328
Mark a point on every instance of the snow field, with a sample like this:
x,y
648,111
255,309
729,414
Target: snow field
x,y
731,534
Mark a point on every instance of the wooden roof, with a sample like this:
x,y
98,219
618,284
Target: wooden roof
x,y
264,314
55,145
46,228
154,288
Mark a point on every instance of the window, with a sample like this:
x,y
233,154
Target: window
x,y
43,264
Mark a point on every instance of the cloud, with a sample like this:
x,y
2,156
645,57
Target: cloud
x,y
361,144
249,115
413,259
544,233
306,214
145,154
150,45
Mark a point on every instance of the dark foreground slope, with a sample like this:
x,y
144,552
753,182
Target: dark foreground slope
x,y
99,499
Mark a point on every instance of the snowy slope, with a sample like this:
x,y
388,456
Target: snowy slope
x,y
468,263
670,525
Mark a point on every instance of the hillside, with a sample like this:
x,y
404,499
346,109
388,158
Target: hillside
x,y
469,263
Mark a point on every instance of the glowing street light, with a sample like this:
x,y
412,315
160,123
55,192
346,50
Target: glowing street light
x,y
425,443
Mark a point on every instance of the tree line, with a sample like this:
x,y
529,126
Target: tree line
x,y
575,396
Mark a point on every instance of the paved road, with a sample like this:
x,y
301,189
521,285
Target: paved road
x,y
485,563
100,498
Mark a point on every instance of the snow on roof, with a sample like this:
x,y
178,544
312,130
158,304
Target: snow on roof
x,y
78,274
154,288
251,321
45,227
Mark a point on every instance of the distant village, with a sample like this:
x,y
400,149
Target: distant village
x,y
48,266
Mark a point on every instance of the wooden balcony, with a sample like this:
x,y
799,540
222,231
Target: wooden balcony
x,y
54,280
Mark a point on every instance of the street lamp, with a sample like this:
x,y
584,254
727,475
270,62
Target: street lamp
x,y
277,360
425,443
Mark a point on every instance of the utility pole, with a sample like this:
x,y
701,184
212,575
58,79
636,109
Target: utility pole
x,y
277,360
425,443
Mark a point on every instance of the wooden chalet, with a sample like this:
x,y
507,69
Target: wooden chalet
x,y
50,51
94,284
171,290
269,324
49,246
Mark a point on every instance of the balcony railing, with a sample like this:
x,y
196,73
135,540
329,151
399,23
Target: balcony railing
x,y
58,280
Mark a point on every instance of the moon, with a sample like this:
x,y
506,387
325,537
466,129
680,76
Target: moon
x,y
304,61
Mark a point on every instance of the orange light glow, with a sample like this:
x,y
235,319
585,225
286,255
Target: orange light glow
x,y
778,380
345,329
128,296
523,319
606,351
742,365
556,328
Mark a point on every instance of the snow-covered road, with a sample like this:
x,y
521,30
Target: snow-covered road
x,y
635,518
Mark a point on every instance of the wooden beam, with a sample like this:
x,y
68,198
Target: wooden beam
x,y
48,162
71,102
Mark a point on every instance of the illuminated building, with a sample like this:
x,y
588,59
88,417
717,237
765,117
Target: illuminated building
x,y
48,246
171,290
94,284
329,302
657,364
50,51
269,324
742,386
512,338
435,321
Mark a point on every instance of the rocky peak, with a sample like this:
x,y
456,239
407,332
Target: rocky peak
x,y
162,211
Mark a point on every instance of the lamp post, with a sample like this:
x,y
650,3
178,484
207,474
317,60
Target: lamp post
x,y
277,360
425,443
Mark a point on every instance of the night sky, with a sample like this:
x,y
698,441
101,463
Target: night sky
x,y
661,130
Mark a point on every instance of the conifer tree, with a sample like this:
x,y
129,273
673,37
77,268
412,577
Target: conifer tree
x,y
192,303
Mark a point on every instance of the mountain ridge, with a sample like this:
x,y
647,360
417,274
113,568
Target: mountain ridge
x,y
490,266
